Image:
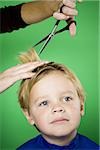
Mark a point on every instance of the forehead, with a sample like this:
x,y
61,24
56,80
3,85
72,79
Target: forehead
x,y
54,82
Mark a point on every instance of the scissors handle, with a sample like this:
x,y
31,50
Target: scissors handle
x,y
69,21
53,32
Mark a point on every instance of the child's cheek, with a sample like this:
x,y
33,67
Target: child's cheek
x,y
74,112
42,122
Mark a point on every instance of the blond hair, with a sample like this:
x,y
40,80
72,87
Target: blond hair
x,y
27,84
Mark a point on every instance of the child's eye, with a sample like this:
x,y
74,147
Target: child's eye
x,y
44,103
68,98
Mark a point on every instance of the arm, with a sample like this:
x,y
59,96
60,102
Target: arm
x,y
36,11
19,16
23,14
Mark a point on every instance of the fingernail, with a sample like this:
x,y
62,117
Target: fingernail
x,y
46,62
76,12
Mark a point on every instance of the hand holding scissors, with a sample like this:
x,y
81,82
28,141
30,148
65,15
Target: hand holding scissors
x,y
54,32
68,11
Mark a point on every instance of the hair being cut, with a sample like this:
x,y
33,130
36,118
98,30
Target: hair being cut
x,y
27,84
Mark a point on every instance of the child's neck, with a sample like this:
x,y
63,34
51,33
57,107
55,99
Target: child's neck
x,y
61,141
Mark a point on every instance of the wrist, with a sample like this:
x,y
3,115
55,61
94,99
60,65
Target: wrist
x,y
54,5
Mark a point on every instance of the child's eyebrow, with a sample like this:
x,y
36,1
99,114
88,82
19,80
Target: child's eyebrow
x,y
69,92
46,96
40,98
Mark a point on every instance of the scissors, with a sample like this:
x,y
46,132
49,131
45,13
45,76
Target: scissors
x,y
54,32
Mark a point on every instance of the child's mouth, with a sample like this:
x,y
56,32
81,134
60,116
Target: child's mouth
x,y
59,121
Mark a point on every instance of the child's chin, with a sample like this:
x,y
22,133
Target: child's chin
x,y
61,133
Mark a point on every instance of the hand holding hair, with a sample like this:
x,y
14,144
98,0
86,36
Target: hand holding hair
x,y
19,72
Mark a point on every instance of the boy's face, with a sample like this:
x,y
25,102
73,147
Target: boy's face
x,y
55,107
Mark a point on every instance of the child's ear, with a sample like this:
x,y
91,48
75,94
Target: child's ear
x,y
28,116
82,109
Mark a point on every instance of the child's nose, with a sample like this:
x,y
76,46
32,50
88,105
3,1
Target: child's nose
x,y
58,109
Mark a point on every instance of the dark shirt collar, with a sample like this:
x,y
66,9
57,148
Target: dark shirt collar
x,y
74,144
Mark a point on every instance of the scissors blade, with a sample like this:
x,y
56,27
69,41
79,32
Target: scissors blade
x,y
49,37
44,45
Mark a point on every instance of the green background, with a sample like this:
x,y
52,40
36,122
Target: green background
x,y
79,53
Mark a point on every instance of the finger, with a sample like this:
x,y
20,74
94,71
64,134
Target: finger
x,y
65,12
26,65
59,16
17,67
80,1
72,29
74,1
25,75
23,68
69,11
69,3
30,67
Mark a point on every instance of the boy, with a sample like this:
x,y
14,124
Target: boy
x,y
53,101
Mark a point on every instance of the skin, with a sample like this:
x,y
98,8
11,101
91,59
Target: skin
x,y
19,72
55,108
13,74
46,9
